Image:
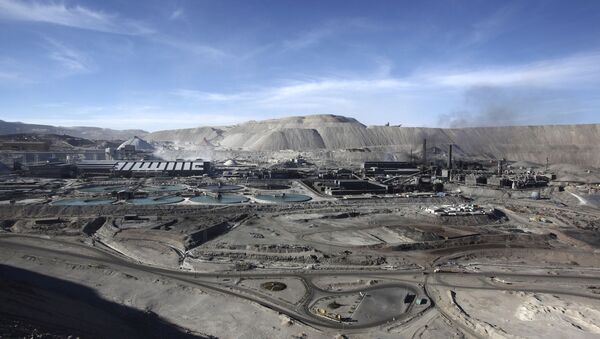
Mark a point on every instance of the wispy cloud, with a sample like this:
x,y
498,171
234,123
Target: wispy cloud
x,y
327,30
582,68
507,94
505,91
490,26
80,17
311,37
299,90
13,78
176,14
556,73
131,116
208,96
69,58
70,16
193,47
13,73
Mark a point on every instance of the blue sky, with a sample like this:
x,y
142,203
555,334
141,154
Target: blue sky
x,y
175,64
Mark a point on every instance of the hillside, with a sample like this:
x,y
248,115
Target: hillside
x,y
576,144
93,133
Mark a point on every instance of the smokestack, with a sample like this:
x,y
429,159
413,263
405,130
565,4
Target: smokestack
x,y
424,151
449,156
500,166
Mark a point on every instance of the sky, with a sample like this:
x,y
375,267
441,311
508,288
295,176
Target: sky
x,y
157,64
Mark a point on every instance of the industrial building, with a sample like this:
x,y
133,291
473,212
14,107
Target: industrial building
x,y
392,168
149,168
96,167
475,179
52,170
351,187
41,146
160,168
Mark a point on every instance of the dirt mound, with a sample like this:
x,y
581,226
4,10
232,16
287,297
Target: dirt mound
x,y
575,144
139,144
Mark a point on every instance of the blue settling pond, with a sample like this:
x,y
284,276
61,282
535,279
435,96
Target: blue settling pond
x,y
222,199
221,188
102,189
163,188
283,198
82,202
155,200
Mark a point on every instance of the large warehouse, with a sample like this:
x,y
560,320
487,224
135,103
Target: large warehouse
x,y
126,168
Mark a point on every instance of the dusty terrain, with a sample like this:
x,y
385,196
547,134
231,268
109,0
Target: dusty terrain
x,y
323,268
239,253
346,139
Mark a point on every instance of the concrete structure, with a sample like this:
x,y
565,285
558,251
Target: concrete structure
x,y
37,157
160,168
475,179
393,168
53,170
41,146
351,187
499,181
96,168
143,168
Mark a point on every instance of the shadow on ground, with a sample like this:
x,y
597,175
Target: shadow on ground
x,y
37,305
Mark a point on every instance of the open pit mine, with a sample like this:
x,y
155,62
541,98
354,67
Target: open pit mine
x,y
301,227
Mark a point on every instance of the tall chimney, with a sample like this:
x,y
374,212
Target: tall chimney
x,y
424,151
500,166
449,156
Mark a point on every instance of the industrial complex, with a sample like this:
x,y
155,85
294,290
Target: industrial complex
x,y
294,244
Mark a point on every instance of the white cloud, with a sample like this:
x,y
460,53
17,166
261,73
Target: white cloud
x,y
176,14
71,59
490,26
208,96
416,99
13,72
310,38
85,18
13,78
557,73
327,30
421,96
325,89
191,47
70,16
130,116
577,69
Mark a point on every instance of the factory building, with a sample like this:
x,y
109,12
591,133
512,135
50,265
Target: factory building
x,y
96,167
149,168
52,170
475,179
392,168
499,181
160,168
41,146
350,187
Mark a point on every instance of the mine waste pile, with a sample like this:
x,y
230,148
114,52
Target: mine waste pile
x,y
575,144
